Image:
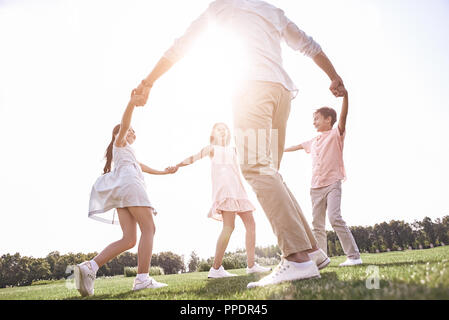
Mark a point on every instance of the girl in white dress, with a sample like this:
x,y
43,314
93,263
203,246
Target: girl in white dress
x,y
123,188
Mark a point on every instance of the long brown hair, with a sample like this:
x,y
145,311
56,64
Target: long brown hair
x,y
108,155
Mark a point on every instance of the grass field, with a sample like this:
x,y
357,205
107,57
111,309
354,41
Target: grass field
x,y
419,274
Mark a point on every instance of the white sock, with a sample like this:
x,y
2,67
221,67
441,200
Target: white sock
x,y
142,276
94,265
301,264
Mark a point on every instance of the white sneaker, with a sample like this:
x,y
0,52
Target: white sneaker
x,y
149,283
256,268
320,258
219,273
288,271
84,278
351,262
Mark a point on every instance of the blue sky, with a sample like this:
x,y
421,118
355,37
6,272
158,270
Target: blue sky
x,y
67,67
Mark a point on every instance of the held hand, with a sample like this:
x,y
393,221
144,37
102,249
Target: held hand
x,y
144,89
171,170
137,99
337,87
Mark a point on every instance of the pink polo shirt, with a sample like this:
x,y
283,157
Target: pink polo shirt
x,y
327,158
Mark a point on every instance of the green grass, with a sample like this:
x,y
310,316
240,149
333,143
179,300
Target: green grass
x,y
420,274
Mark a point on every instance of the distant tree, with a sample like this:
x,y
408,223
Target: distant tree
x,y
52,258
402,233
268,252
386,236
193,262
420,236
429,230
170,262
39,269
361,237
442,230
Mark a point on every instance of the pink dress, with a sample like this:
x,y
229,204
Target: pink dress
x,y
228,192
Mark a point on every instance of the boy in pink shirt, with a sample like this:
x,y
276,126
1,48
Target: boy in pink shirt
x,y
327,173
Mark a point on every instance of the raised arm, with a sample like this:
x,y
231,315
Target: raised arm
x,y
294,148
176,52
298,40
206,151
343,114
136,100
337,87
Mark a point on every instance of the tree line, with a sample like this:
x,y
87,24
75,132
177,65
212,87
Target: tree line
x,y
17,270
395,236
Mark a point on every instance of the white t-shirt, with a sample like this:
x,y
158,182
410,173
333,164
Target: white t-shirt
x,y
262,27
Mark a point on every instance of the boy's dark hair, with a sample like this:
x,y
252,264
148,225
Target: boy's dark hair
x,y
327,112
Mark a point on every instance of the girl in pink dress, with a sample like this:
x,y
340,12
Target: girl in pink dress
x,y
229,198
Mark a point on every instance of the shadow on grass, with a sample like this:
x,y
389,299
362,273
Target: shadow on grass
x,y
223,288
392,264
331,287
335,284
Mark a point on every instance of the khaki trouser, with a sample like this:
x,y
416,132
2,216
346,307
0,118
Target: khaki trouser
x,y
261,111
330,198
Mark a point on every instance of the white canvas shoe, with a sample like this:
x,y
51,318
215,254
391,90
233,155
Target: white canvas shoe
x,y
351,262
219,273
288,271
320,258
149,283
256,268
85,278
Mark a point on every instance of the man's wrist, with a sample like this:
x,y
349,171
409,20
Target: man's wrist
x,y
147,83
334,76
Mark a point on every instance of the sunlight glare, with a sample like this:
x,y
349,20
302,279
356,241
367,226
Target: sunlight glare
x,y
219,60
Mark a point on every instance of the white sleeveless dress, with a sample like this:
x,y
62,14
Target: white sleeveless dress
x,y
123,187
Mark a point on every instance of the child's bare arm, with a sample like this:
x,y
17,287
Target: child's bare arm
x,y
149,170
294,148
343,114
204,152
135,100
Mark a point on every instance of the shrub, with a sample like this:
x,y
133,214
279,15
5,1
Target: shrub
x,y
156,271
268,261
132,271
204,266
234,261
169,261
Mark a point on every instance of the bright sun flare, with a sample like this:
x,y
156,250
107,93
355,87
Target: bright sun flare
x,y
218,60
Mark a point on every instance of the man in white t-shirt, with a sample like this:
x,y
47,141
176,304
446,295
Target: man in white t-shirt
x,y
261,108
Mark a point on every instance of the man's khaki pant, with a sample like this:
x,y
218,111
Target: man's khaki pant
x,y
261,111
330,198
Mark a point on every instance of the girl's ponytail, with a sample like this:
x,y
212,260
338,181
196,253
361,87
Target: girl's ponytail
x,y
108,155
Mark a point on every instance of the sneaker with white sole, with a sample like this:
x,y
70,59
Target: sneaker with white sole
x,y
85,278
149,283
256,268
351,262
219,273
320,258
288,271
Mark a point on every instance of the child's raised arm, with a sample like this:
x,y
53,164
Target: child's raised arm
x,y
206,151
294,148
343,114
136,100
